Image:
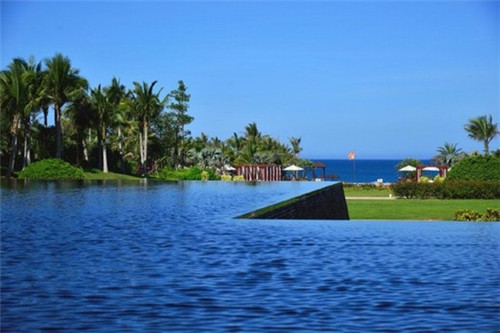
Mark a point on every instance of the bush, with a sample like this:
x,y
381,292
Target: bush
x,y
239,178
472,215
458,189
50,169
226,177
477,167
194,173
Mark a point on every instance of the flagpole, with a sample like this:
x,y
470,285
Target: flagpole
x,y
354,168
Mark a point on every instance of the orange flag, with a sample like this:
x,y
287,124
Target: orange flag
x,y
351,155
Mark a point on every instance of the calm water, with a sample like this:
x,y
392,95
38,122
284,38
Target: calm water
x,y
365,171
170,257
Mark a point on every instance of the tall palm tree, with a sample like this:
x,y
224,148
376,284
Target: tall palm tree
x,y
116,94
62,83
296,148
146,106
102,106
33,78
13,101
82,115
448,154
482,129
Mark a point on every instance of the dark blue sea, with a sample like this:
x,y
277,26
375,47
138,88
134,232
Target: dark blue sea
x,y
170,257
362,171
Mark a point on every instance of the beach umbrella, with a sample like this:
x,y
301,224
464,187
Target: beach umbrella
x,y
431,168
229,168
293,167
408,168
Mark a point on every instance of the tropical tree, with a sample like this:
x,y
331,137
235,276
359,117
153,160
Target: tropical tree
x,y
482,129
82,115
102,106
181,119
33,78
62,85
296,148
448,154
146,106
13,101
116,94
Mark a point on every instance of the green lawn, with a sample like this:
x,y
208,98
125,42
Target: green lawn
x,y
367,192
95,174
414,209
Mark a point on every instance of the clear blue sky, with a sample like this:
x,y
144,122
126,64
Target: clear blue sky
x,y
389,79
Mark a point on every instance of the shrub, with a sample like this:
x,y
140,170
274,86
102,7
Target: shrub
x,y
478,167
226,177
194,173
239,178
51,169
472,215
423,179
458,189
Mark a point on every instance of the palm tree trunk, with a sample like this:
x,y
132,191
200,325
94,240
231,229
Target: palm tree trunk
x,y
120,149
45,115
13,145
27,140
57,115
143,146
104,155
486,147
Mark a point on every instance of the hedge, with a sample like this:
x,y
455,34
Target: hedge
x,y
478,167
450,189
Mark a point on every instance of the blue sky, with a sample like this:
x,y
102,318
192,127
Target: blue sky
x,y
387,79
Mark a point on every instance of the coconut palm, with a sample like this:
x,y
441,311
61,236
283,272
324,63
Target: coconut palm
x,y
296,148
448,154
33,78
13,101
482,129
82,116
62,84
102,106
146,106
116,95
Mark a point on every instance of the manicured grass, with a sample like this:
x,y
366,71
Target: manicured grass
x,y
95,174
379,192
414,209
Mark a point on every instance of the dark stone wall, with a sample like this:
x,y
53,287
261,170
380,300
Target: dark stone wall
x,y
327,203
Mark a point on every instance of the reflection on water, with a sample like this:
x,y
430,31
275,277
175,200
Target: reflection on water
x,y
170,257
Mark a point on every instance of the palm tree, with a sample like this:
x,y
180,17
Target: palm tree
x,y
33,78
448,154
102,107
482,129
62,83
13,100
82,115
146,106
116,94
296,148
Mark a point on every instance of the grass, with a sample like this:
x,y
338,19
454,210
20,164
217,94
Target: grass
x,y
414,209
377,192
96,174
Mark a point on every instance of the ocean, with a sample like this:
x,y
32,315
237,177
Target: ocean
x,y
361,171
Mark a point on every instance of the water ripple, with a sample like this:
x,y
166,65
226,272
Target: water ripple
x,y
157,257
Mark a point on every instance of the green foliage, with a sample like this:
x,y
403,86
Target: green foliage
x,y
51,169
459,189
424,179
472,215
239,178
193,173
226,177
477,167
